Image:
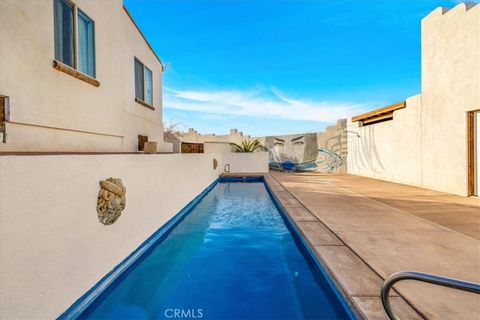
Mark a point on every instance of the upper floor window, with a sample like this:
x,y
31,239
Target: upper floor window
x,y
74,47
143,83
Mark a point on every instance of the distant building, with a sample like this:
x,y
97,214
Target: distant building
x,y
76,76
192,138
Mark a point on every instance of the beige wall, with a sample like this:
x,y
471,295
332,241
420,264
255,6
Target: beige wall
x,y
426,143
52,247
53,111
234,136
246,162
390,150
450,88
217,147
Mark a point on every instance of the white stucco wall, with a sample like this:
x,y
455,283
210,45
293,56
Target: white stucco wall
x,y
389,150
248,162
217,147
53,111
426,143
52,247
450,88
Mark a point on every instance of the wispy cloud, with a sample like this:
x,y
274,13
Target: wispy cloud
x,y
270,103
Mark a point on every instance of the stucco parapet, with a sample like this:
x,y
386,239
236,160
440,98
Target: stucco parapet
x,y
458,9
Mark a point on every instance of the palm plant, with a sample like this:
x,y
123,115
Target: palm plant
x,y
248,146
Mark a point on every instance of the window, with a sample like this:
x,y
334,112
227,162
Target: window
x,y
74,47
143,83
64,29
86,44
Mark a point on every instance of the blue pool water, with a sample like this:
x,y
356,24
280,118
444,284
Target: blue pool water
x,y
232,257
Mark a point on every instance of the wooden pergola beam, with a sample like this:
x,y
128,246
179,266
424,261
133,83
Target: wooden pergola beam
x,y
379,112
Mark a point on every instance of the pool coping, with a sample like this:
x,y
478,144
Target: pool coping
x,y
289,202
298,234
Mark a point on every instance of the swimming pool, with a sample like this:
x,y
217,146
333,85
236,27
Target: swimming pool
x,y
232,254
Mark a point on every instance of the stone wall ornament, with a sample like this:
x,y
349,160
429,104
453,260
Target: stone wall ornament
x,y
111,200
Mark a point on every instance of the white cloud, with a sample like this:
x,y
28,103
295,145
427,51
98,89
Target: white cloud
x,y
260,103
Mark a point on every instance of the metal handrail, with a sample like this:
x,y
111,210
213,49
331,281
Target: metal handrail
x,y
424,277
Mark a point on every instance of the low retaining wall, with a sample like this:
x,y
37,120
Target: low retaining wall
x,y
52,246
256,162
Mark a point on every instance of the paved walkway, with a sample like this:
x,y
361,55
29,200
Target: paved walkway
x,y
364,229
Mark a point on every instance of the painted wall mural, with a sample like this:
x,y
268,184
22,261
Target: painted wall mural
x,y
291,152
307,152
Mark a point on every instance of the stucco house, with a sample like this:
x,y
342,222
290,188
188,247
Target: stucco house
x,y
77,76
431,140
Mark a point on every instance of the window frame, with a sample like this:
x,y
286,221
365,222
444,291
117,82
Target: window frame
x,y
77,44
76,12
142,101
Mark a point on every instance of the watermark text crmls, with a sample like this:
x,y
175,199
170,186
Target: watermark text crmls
x,y
180,313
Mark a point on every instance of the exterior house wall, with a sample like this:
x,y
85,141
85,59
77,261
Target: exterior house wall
x,y
426,143
450,88
53,111
53,248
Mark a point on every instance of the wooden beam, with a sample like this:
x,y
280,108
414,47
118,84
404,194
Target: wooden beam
x,y
381,117
2,110
75,73
143,103
374,113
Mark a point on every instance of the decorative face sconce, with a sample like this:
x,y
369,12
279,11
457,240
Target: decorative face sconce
x,y
111,200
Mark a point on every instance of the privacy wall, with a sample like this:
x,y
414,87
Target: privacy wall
x,y
426,142
53,247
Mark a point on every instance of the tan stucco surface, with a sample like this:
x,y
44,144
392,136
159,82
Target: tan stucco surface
x,y
426,143
450,88
217,147
53,111
248,162
233,136
52,246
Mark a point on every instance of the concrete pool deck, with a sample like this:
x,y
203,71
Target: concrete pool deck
x,y
363,230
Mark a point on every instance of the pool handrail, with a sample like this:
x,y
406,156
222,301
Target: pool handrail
x,y
423,277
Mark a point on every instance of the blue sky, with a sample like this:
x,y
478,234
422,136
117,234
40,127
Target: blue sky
x,y
277,66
